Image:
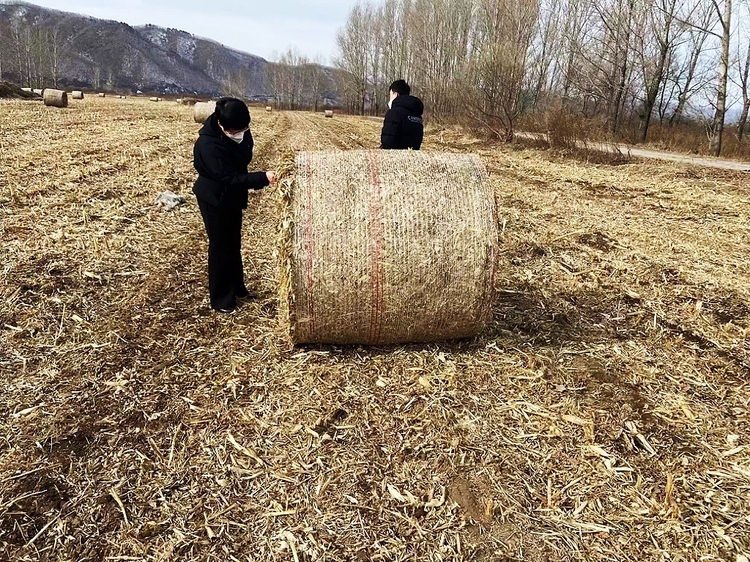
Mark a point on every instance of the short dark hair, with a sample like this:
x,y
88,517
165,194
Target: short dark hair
x,y
400,87
232,114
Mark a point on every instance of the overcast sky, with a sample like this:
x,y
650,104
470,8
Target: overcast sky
x,y
257,27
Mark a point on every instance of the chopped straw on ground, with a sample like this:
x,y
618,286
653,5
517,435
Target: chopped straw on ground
x,y
602,415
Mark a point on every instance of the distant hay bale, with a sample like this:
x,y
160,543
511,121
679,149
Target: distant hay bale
x,y
77,95
38,91
269,108
154,99
122,97
26,90
189,101
55,98
178,100
101,94
329,113
203,110
383,247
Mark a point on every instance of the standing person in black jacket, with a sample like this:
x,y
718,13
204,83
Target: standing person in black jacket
x,y
221,155
402,127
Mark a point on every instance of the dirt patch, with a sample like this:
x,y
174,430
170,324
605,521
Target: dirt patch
x,y
476,504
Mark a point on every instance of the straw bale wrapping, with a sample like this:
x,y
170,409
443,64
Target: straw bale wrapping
x,y
55,98
203,110
388,247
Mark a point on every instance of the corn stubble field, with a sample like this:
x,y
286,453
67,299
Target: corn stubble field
x,y
604,414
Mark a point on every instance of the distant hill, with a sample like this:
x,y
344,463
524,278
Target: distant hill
x,y
40,47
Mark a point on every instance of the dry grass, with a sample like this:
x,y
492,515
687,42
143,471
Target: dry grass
x,y
603,416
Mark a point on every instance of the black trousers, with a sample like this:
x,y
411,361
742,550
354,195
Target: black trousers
x,y
225,275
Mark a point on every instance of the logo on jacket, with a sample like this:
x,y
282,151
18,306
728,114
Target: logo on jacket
x,y
414,119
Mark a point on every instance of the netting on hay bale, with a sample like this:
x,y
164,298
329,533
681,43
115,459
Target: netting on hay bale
x,y
381,247
55,98
203,110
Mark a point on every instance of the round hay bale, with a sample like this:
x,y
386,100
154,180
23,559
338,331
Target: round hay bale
x,y
123,97
154,99
179,101
38,91
269,108
384,247
203,110
102,94
26,89
55,98
77,95
329,113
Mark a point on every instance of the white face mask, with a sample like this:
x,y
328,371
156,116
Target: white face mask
x,y
237,137
390,104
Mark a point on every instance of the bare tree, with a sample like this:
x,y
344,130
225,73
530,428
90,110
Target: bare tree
x,y
743,78
578,14
314,79
686,77
656,41
236,82
353,47
493,60
441,30
716,131
501,45
546,48
618,22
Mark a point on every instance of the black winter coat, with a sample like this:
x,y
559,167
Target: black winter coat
x,y
402,127
223,179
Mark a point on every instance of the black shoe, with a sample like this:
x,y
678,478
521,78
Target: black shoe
x,y
247,296
225,310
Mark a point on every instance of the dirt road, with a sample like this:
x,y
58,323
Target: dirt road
x,y
706,161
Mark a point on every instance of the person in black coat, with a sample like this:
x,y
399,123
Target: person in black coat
x,y
402,127
221,156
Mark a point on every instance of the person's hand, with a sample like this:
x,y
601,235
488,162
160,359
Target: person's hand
x,y
271,177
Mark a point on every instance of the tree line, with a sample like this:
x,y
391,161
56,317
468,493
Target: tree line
x,y
30,55
621,63
297,82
